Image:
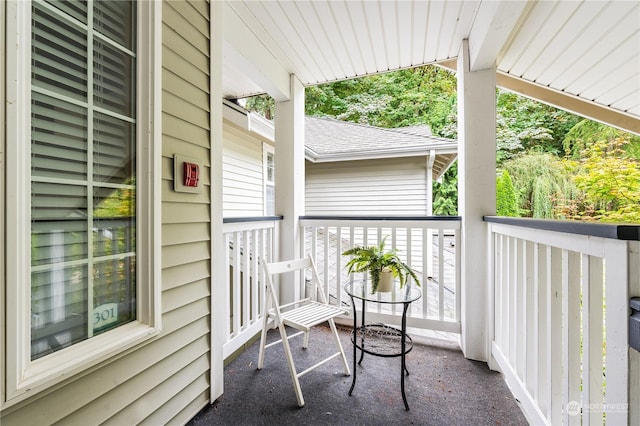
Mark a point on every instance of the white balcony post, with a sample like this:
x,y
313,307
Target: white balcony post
x,y
476,198
219,288
289,176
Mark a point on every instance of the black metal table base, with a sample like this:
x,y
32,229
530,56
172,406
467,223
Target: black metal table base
x,y
381,340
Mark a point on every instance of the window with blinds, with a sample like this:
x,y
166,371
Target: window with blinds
x,y
83,171
270,185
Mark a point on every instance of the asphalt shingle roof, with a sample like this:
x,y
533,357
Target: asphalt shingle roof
x,y
325,136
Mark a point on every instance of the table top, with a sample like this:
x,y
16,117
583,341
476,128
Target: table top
x,y
361,289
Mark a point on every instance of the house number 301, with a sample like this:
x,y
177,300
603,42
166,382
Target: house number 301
x,y
104,315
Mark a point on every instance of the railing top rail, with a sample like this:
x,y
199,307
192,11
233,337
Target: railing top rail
x,y
603,230
385,218
251,219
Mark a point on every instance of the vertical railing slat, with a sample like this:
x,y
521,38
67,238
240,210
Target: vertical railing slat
x,y
617,320
531,319
441,278
520,315
571,335
554,333
544,287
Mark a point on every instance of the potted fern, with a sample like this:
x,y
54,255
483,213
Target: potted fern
x,y
383,266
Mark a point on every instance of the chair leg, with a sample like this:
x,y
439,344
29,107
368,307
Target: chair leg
x,y
305,342
292,366
332,324
263,340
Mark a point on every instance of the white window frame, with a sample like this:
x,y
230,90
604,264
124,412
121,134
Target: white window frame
x,y
23,377
266,150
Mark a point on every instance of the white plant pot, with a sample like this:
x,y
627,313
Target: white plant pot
x,y
386,282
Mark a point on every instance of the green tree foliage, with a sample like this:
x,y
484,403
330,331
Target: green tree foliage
x,y
445,193
523,125
262,104
506,203
609,180
423,95
541,184
585,132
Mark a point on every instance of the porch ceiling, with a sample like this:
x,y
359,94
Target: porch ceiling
x,y
580,52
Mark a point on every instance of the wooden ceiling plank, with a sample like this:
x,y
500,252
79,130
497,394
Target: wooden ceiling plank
x,y
290,39
357,21
573,30
544,35
376,35
436,13
609,66
318,34
584,40
419,20
600,50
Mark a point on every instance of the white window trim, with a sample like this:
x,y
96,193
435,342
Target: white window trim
x,y
266,150
23,377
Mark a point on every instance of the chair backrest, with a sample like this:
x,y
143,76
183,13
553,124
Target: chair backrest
x,y
304,264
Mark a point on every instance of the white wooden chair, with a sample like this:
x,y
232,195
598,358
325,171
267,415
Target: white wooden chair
x,y
302,315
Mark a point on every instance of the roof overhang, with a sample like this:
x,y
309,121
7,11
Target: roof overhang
x,y
580,56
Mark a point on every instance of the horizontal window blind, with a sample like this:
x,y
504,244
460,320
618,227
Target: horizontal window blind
x,y
83,174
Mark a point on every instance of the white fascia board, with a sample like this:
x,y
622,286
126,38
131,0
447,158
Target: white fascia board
x,y
371,155
248,53
492,31
235,115
261,127
248,121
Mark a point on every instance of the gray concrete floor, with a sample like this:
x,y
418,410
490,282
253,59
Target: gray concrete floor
x,y
443,388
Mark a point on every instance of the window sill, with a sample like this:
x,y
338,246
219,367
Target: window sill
x,y
52,369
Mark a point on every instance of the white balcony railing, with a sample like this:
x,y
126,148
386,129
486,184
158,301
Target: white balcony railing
x,y
429,245
247,240
560,315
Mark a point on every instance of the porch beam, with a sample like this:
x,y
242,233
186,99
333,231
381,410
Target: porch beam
x,y
247,54
492,31
563,100
476,196
289,179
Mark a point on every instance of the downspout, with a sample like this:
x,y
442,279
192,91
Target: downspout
x,y
430,161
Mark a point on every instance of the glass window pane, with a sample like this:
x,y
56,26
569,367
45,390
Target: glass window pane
x,y
113,82
58,308
58,223
75,8
58,138
59,55
271,200
114,221
114,297
113,149
115,20
270,168
83,233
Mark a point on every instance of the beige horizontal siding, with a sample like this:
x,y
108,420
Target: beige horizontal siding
x,y
381,187
185,273
166,380
184,403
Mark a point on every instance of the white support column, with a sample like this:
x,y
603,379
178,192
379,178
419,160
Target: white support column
x,y
476,198
289,177
430,160
219,286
